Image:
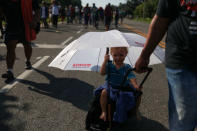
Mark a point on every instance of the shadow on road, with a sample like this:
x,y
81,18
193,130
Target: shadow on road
x,y
6,105
144,125
72,90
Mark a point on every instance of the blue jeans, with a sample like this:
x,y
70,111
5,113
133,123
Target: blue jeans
x,y
182,102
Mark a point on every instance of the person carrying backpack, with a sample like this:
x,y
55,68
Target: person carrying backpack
x,y
87,12
22,19
179,19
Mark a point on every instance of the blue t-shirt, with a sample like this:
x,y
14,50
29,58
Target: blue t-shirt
x,y
117,75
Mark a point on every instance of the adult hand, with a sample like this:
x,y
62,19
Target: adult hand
x,y
141,64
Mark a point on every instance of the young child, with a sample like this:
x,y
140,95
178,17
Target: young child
x,y
117,70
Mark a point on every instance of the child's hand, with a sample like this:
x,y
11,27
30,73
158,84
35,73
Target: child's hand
x,y
106,58
138,88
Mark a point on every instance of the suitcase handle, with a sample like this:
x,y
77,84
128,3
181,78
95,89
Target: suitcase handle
x,y
122,88
149,70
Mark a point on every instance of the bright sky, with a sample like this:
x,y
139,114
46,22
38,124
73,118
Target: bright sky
x,y
102,3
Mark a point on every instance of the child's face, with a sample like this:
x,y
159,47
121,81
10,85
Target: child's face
x,y
118,55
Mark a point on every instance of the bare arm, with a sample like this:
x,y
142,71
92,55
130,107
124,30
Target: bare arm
x,y
103,70
157,30
134,83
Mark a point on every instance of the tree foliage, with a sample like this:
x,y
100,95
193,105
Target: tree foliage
x,y
140,8
130,6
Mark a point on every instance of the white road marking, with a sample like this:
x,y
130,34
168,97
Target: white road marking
x,y
38,58
8,87
79,31
66,41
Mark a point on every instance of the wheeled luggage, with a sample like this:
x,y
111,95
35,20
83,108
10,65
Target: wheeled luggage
x,y
94,123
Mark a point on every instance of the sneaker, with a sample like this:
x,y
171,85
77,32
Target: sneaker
x,y
9,75
28,65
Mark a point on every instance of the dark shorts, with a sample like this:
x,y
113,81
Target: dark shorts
x,y
15,34
15,29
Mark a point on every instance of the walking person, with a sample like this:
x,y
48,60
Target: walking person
x,y
44,14
86,15
68,14
179,19
50,15
94,15
62,13
80,14
117,15
76,14
122,15
55,13
72,13
108,16
101,14
22,18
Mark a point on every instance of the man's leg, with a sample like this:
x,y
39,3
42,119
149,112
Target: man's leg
x,y
10,59
28,54
182,99
11,55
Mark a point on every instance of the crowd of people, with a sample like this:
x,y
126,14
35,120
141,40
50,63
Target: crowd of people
x,y
52,13
89,15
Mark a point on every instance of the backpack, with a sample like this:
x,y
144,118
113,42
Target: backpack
x,y
188,8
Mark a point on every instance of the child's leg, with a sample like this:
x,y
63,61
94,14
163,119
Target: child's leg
x,y
103,102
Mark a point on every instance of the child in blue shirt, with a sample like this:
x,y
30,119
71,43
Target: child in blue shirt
x,y
117,70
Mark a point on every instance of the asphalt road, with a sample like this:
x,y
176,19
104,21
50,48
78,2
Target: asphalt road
x,y
49,99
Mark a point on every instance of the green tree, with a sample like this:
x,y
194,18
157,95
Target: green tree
x,y
131,5
146,9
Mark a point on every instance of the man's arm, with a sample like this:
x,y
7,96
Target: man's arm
x,y
157,30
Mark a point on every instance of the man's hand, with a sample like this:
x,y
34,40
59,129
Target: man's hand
x,y
141,64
